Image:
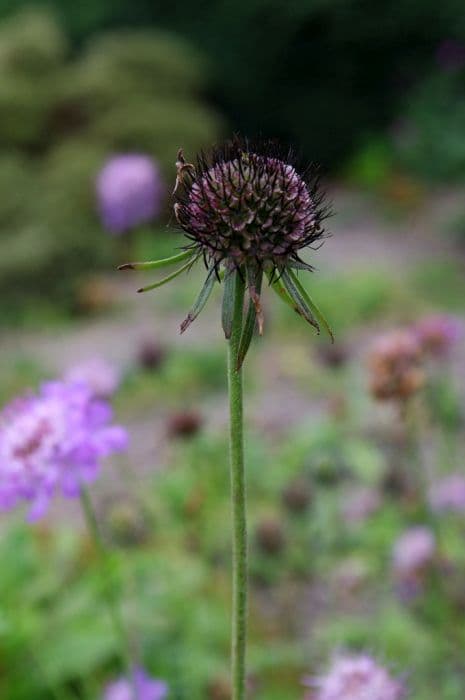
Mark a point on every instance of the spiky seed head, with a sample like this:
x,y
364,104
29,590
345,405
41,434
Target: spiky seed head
x,y
248,212
247,203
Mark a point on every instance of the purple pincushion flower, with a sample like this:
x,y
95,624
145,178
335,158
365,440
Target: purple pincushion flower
x,y
147,688
356,677
413,551
129,192
438,333
448,494
53,442
101,376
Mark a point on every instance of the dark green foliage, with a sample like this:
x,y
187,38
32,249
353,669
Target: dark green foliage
x,y
61,116
292,69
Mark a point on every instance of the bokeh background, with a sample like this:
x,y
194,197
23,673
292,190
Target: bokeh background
x,y
374,92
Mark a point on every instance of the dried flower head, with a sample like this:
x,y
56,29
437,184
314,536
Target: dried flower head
x,y
147,688
53,442
396,366
247,213
248,205
270,536
185,424
356,677
129,192
151,354
297,495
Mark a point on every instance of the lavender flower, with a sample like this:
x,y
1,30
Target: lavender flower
x,y
53,442
437,334
356,677
147,688
129,192
448,494
101,376
413,551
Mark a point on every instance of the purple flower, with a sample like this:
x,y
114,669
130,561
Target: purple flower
x,y
356,677
147,688
413,551
100,376
129,192
450,55
448,494
438,333
53,441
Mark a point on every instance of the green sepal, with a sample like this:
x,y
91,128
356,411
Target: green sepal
x,y
279,289
155,264
300,265
314,308
201,299
297,297
227,308
254,278
167,279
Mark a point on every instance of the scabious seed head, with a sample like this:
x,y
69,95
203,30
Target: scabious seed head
x,y
248,213
248,203
53,442
270,536
356,677
147,688
396,366
438,334
129,192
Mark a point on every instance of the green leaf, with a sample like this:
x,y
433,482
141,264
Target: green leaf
x,y
278,287
314,308
297,297
155,264
300,265
254,277
167,279
201,299
228,302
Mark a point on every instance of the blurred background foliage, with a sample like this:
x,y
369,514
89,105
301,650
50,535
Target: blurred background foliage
x,y
79,82
61,115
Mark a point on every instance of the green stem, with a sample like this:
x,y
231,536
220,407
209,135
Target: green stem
x,y
239,607
108,590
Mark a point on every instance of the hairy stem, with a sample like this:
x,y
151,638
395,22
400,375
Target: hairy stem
x,y
238,498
